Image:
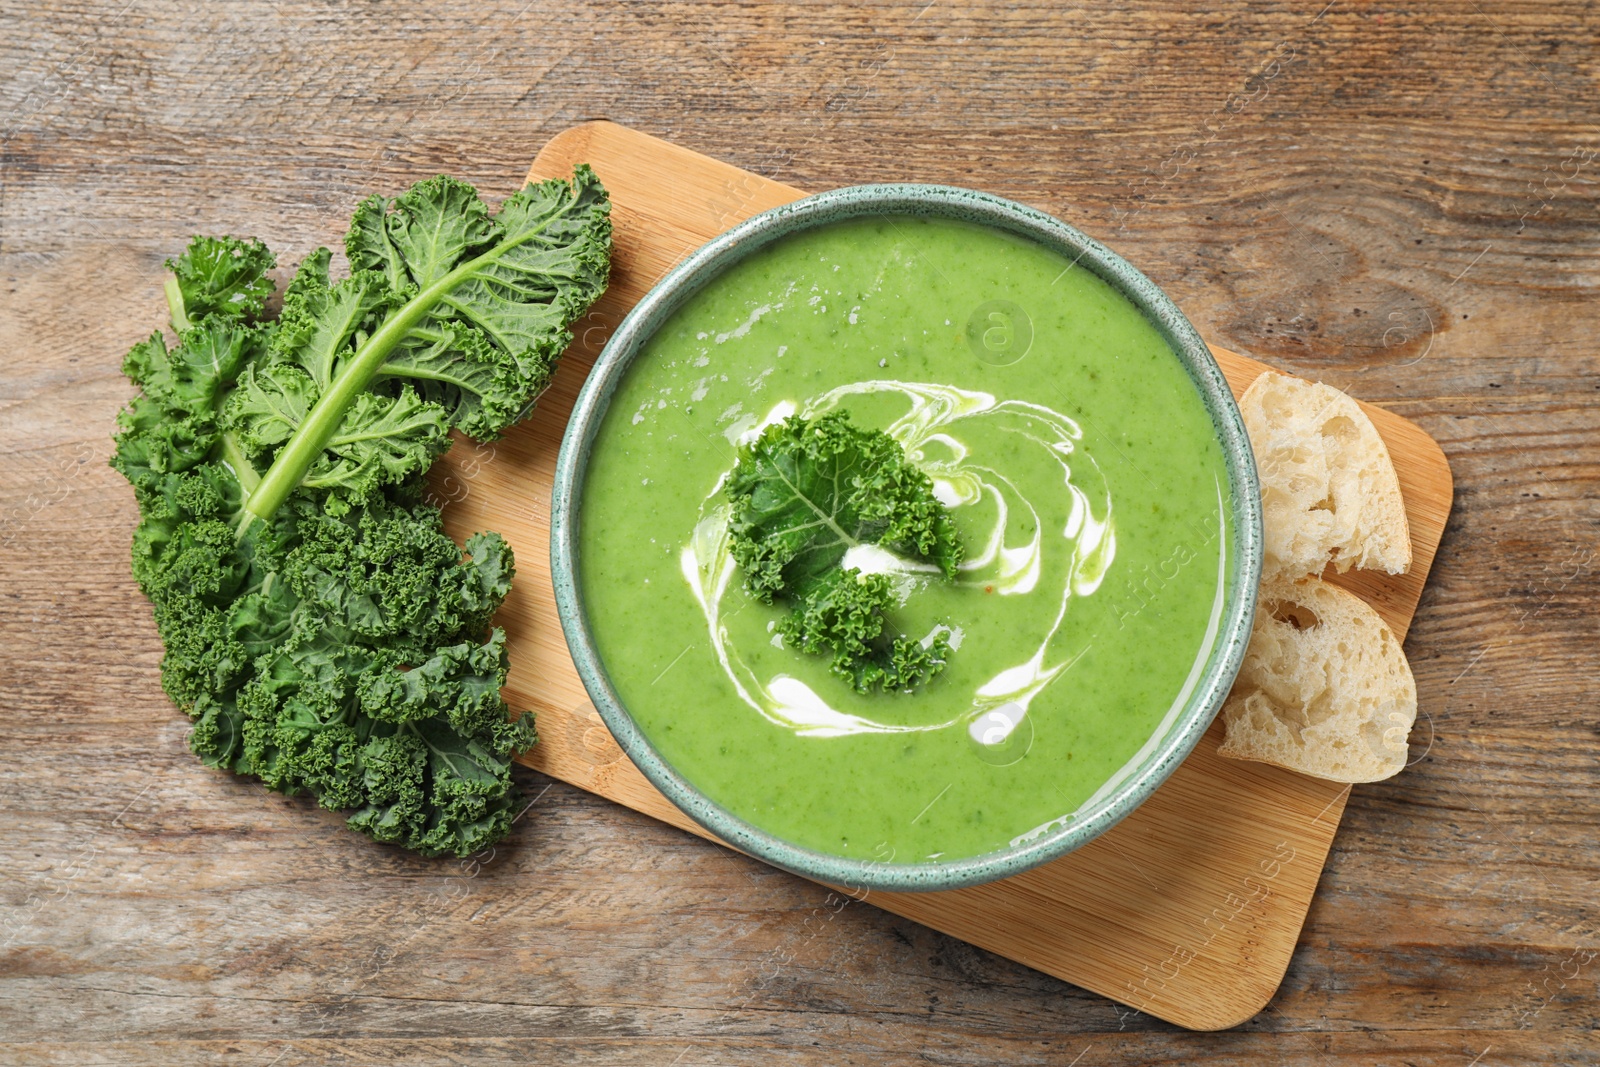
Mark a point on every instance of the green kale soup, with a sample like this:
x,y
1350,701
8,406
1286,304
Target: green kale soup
x,y
1082,473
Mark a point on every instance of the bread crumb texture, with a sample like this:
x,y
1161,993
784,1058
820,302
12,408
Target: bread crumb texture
x,y
1325,688
1329,493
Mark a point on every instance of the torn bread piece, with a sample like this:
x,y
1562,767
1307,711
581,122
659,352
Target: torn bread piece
x,y
1325,688
1329,493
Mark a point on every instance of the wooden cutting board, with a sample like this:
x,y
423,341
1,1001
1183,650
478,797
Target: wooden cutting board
x,y
1188,910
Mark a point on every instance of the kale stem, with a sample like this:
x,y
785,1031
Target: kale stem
x,y
180,314
238,463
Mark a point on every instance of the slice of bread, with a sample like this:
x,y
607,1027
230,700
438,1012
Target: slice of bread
x,y
1324,690
1328,488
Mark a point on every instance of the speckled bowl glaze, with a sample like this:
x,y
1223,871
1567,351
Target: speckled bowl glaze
x,y
726,252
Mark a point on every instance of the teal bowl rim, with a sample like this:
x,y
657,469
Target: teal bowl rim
x,y
721,253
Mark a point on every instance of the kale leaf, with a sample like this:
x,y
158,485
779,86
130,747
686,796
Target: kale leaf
x,y
805,493
453,318
220,279
320,627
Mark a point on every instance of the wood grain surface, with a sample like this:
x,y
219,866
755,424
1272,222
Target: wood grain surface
x,y
1189,910
1399,200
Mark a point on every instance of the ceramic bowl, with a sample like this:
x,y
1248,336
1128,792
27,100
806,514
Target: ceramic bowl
x,y
1166,750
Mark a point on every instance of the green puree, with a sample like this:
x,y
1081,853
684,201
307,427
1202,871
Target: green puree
x,y
1084,478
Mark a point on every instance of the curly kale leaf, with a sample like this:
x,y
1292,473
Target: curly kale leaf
x,y
431,789
222,279
805,493
320,627
417,238
305,651
176,425
499,294
452,318
809,490
323,322
389,576
842,614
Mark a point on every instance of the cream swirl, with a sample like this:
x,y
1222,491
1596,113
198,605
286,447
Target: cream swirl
x,y
937,432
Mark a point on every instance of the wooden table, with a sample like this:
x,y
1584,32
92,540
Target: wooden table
x,y
1399,201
